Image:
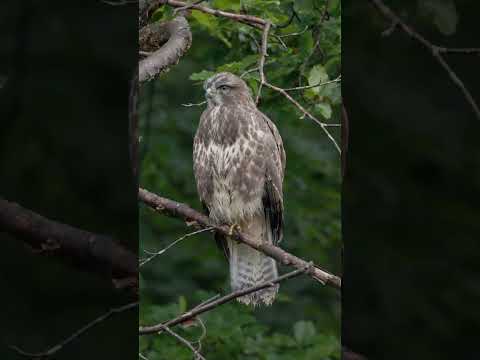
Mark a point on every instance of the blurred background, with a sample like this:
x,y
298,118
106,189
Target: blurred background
x,y
65,70
304,323
412,186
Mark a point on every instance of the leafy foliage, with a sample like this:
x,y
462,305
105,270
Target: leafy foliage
x,y
304,322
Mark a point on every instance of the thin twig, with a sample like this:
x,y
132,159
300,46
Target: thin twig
x,y
279,39
338,79
294,33
435,50
182,340
119,3
306,113
54,349
160,252
263,55
256,68
186,7
458,50
202,335
209,300
224,299
197,104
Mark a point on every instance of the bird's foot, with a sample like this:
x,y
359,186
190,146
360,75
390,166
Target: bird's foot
x,y
234,228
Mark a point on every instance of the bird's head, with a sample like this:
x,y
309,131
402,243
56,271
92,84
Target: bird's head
x,y
226,88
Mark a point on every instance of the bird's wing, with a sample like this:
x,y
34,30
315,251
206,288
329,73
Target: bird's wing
x,y
273,191
200,161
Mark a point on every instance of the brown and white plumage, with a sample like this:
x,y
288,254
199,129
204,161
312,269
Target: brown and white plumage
x,y
239,165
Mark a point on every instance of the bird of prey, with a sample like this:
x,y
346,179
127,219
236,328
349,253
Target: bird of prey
x,y
239,165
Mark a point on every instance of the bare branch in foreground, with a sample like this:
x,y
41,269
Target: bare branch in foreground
x,y
183,341
179,41
183,211
224,299
160,252
89,251
56,348
436,51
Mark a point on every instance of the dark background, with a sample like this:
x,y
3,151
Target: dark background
x,y
411,194
64,154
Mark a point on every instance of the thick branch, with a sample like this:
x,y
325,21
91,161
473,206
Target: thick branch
x,y
183,211
92,252
179,41
153,36
224,299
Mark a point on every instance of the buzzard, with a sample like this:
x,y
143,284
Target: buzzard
x,y
239,165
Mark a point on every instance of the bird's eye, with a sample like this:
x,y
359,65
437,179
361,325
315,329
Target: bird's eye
x,y
224,87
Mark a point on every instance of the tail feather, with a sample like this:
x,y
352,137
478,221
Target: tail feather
x,y
249,267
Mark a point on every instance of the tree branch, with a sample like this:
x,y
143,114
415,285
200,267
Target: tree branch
x,y
246,19
263,55
56,348
183,211
435,50
89,251
183,341
179,41
306,113
224,299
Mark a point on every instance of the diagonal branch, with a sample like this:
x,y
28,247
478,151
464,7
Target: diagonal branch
x,y
57,347
436,51
220,301
89,251
179,41
183,341
183,211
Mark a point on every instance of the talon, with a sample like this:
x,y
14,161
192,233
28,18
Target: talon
x,y
234,227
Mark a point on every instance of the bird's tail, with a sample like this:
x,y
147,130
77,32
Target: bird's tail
x,y
249,267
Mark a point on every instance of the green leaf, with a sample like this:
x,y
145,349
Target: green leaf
x,y
182,304
304,331
212,24
239,66
306,43
226,4
317,75
202,75
324,109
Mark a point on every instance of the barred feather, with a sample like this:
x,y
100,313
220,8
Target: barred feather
x,y
239,164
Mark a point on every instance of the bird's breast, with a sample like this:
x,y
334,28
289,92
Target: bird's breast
x,y
231,196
